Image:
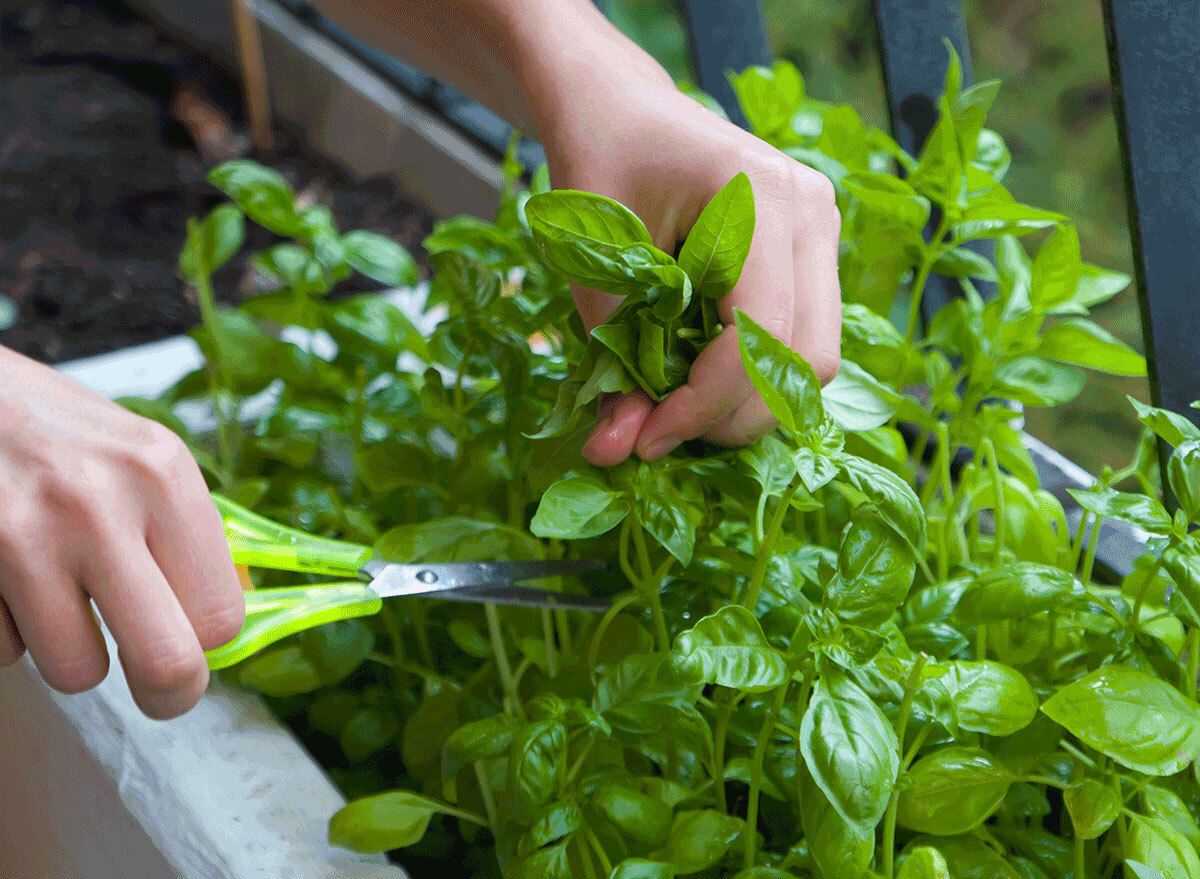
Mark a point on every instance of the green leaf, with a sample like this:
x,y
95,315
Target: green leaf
x,y
637,868
983,696
382,822
635,814
1156,843
1017,591
994,215
889,197
1143,723
1036,381
210,243
951,791
379,258
558,820
892,496
1136,509
769,97
367,731
1083,343
875,571
1183,473
1095,286
729,648
838,847
970,858
578,507
699,839
478,740
1139,870
924,862
1093,806
857,400
962,262
1171,427
262,194
533,766
1056,270
552,862
716,248
785,380
851,750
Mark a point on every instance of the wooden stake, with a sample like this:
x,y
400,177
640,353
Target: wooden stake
x,y
254,73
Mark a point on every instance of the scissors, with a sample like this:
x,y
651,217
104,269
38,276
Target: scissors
x,y
274,613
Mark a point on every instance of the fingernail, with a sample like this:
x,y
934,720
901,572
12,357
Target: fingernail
x,y
661,447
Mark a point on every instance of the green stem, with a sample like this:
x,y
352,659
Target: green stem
x,y
766,548
605,863
548,641
724,713
618,605
1079,857
485,792
1141,596
918,289
512,704
220,384
1193,662
421,627
651,583
1089,556
756,767
392,626
911,685
998,506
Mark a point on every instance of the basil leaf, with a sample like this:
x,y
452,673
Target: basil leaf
x,y
924,862
478,740
262,194
857,400
1136,509
533,766
1036,381
382,822
379,258
1154,841
892,496
637,868
769,97
635,814
1183,473
1083,343
1056,270
982,696
210,243
875,571
717,246
1142,722
728,648
785,380
1017,590
578,507
700,838
994,215
1093,807
889,197
851,750
839,847
1171,427
970,858
951,791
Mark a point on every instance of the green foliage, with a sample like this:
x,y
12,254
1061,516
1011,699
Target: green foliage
x,y
828,655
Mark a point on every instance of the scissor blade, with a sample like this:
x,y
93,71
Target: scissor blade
x,y
525,596
391,580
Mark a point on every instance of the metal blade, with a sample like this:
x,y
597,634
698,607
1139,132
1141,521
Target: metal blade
x,y
525,596
391,580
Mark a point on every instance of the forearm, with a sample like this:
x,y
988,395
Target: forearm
x,y
521,58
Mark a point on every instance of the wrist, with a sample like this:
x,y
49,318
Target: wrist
x,y
571,61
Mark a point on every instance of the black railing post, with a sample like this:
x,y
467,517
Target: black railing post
x,y
914,62
725,35
1154,59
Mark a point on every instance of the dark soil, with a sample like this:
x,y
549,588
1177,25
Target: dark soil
x,y
98,177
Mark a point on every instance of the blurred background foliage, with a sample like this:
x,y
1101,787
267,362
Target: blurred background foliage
x,y
1054,111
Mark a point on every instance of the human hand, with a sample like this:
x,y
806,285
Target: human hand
x,y
623,130
99,503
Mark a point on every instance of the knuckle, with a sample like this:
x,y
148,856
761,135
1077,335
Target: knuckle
x,y
171,666
825,364
161,454
817,199
220,623
80,494
76,672
20,527
774,172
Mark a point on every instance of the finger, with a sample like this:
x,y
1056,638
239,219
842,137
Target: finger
x,y
55,622
618,423
817,327
158,648
748,422
187,540
12,647
594,306
717,383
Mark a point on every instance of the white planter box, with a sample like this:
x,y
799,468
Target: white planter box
x,y
90,787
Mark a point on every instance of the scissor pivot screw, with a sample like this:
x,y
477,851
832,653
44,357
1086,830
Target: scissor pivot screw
x,y
427,576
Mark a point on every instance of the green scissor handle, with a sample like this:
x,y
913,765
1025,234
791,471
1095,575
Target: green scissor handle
x,y
272,614
259,542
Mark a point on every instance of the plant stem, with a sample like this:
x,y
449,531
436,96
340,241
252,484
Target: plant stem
x,y
1193,662
1089,556
392,627
485,792
1141,596
605,621
911,684
929,257
548,640
756,766
651,583
724,713
221,386
1079,857
998,505
766,548
512,704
